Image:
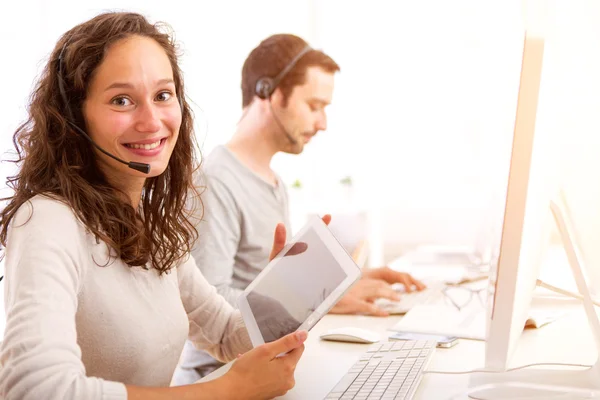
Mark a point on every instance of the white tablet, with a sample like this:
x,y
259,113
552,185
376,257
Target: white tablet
x,y
299,286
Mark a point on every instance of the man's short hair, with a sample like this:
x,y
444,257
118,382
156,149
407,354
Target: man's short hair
x,y
272,55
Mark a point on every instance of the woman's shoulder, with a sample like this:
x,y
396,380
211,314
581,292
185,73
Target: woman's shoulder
x,y
47,213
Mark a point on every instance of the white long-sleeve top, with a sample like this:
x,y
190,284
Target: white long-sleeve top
x,y
80,325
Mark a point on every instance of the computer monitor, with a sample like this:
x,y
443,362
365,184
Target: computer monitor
x,y
523,242
523,232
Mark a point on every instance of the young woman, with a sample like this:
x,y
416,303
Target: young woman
x,y
100,290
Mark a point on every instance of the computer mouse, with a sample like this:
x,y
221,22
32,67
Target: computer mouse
x,y
351,334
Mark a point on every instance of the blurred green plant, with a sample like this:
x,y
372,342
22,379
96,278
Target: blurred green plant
x,y
347,180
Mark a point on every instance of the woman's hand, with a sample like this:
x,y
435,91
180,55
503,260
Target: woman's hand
x,y
261,374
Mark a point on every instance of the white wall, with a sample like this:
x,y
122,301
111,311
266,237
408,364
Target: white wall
x,y
424,109
578,120
426,96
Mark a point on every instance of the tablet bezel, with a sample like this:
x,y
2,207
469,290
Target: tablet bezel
x,y
344,260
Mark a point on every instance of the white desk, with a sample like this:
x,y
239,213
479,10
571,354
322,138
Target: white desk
x,y
567,340
323,363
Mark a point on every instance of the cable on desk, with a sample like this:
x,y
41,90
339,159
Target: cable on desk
x,y
508,370
588,393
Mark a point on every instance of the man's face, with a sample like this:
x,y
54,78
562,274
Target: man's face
x,y
304,115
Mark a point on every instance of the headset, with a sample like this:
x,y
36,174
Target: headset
x,y
265,86
142,167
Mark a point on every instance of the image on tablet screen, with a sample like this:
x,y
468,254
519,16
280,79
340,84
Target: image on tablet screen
x,y
294,288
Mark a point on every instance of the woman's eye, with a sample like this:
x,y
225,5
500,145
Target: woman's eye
x,y
163,96
121,101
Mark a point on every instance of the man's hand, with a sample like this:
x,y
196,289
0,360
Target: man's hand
x,y
375,283
390,276
359,299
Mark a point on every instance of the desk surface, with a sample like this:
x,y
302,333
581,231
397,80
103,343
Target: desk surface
x,y
323,363
567,340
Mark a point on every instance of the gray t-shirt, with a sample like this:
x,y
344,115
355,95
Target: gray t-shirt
x,y
241,211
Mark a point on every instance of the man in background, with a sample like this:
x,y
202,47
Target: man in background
x,y
286,87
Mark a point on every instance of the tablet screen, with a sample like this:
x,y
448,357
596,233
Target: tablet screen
x,y
295,287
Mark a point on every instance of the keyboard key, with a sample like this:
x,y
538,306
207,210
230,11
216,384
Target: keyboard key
x,y
344,383
414,353
398,345
409,344
402,354
373,349
386,346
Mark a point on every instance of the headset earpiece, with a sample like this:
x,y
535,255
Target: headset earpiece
x,y
264,88
61,83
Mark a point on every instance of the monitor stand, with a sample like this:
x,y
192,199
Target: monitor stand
x,y
563,383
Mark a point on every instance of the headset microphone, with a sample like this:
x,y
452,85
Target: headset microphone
x,y
286,133
145,168
142,167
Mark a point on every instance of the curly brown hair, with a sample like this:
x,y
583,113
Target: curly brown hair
x,y
57,161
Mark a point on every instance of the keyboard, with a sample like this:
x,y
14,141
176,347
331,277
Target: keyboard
x,y
388,370
431,295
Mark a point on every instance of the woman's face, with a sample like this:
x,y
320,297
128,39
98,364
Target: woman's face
x,y
132,110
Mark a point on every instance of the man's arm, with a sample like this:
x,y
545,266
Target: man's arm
x,y
219,234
